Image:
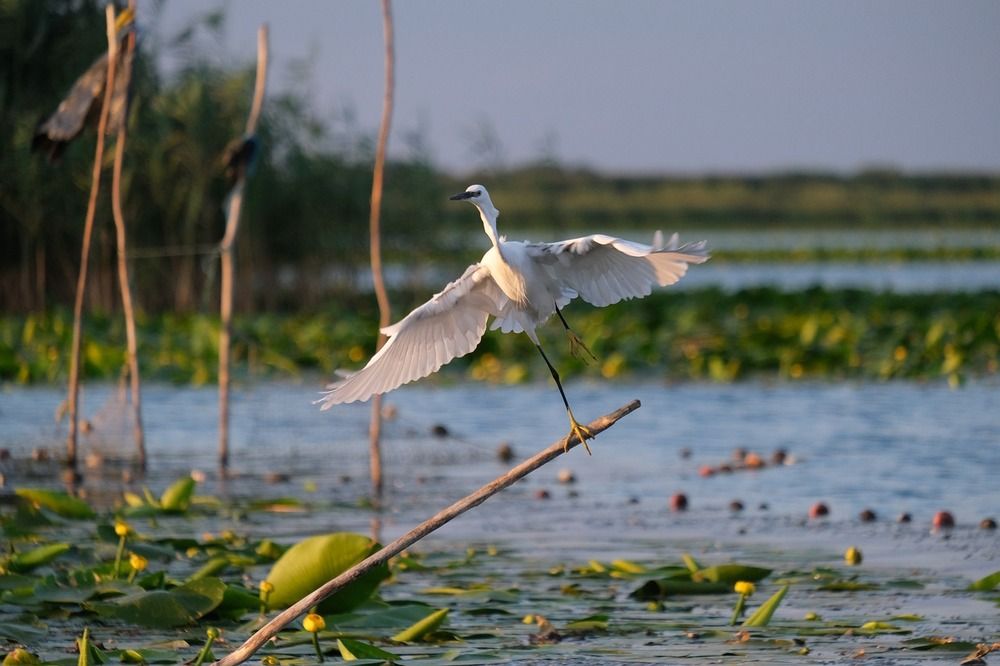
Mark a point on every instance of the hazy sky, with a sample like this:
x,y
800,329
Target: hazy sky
x,y
651,85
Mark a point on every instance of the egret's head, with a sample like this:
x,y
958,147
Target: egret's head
x,y
478,197
474,194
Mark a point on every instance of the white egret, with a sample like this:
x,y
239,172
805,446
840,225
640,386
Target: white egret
x,y
521,285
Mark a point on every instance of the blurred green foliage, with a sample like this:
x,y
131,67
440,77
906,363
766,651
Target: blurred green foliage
x,y
706,334
304,232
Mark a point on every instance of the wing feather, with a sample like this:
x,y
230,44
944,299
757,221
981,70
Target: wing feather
x,y
604,270
449,325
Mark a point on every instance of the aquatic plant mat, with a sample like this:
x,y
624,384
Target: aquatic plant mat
x,y
514,598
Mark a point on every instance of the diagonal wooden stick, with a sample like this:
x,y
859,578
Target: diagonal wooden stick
x,y
269,630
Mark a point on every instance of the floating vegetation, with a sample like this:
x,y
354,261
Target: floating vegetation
x,y
144,587
707,334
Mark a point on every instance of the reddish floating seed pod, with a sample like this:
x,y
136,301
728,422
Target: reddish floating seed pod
x,y
678,502
819,510
706,470
943,520
904,518
867,516
987,524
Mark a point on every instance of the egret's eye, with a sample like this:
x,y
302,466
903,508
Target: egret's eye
x,y
477,193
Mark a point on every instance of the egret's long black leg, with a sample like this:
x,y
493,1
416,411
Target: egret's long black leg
x,y
575,343
581,432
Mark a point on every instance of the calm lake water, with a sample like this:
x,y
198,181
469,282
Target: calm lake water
x,y
891,447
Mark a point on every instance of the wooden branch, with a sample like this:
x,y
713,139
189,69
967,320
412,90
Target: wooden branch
x,y
88,230
226,254
123,281
281,620
374,226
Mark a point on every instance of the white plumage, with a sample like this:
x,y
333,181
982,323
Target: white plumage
x,y
520,284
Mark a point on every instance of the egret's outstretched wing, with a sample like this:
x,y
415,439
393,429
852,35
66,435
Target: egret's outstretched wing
x,y
604,269
447,326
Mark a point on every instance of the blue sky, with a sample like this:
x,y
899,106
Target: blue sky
x,y
647,86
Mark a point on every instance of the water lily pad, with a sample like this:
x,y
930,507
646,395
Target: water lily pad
x,y
166,608
22,632
762,616
352,650
986,583
177,498
590,623
422,628
37,557
731,573
938,643
655,590
847,586
313,561
57,502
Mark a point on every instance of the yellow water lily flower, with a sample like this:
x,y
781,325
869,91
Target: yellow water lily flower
x,y
313,623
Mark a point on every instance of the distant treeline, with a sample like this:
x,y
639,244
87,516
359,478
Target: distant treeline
x,y
305,223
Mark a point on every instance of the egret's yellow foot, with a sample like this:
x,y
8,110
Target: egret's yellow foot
x,y
581,432
578,349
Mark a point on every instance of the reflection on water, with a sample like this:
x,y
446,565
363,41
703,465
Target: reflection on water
x,y
893,447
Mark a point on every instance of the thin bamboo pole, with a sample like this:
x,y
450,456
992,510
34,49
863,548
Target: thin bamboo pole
x,y
281,620
123,281
226,254
88,230
374,225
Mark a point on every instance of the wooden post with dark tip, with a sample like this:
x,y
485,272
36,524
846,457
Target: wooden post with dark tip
x,y
226,255
384,314
269,630
88,230
123,281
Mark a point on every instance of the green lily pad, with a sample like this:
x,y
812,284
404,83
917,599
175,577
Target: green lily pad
x,y
16,582
847,586
986,583
422,628
21,632
57,502
731,573
352,650
655,590
590,623
948,643
313,561
177,498
762,615
37,557
166,608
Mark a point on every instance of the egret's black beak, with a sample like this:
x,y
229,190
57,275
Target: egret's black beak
x,y
462,195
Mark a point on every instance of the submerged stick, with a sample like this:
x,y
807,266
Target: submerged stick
x,y
269,630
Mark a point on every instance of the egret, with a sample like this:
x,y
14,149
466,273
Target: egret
x,y
521,285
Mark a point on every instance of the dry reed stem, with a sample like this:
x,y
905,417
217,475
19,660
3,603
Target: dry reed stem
x,y
123,281
269,630
88,230
226,253
374,226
